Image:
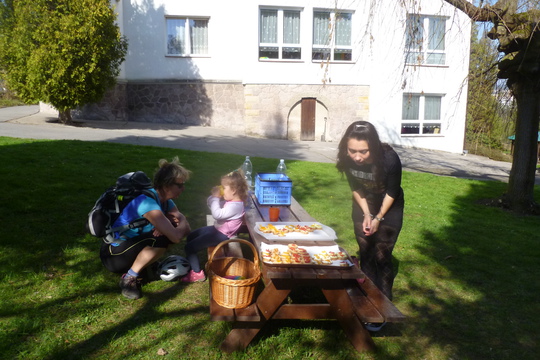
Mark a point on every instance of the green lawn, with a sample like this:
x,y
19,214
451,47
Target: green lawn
x,y
467,274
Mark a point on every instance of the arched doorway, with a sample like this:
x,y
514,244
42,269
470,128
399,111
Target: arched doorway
x,y
307,120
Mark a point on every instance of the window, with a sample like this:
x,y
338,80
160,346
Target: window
x,y
279,34
425,40
332,36
421,114
187,36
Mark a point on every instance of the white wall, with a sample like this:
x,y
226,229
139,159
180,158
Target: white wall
x,y
394,78
378,56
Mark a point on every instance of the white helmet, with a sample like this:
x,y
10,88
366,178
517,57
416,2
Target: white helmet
x,y
173,267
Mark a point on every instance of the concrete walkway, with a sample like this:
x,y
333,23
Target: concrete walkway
x,y
28,122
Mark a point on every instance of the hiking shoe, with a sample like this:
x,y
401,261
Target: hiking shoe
x,y
374,327
131,287
193,276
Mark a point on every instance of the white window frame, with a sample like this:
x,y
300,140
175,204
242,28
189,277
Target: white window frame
x,y
414,123
421,48
188,46
280,43
327,51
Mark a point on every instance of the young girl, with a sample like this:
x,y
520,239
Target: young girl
x,y
227,204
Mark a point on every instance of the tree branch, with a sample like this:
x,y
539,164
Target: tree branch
x,y
475,13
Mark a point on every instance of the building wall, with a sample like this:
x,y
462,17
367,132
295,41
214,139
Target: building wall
x,y
263,110
232,88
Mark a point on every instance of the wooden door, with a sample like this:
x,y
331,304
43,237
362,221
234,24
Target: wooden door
x,y
307,122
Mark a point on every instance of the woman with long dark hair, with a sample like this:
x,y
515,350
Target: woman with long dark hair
x,y
373,170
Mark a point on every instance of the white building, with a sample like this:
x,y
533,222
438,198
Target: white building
x,y
296,69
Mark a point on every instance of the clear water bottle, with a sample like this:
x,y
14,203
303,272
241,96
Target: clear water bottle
x,y
281,168
247,168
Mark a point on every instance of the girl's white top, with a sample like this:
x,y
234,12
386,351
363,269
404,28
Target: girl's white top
x,y
228,215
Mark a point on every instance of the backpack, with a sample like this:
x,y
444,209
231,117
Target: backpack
x,y
110,204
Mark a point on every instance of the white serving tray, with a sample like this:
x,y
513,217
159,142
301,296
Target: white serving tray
x,y
311,250
325,234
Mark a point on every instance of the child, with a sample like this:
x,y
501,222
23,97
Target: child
x,y
227,204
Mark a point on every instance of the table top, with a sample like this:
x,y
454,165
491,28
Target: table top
x,y
293,213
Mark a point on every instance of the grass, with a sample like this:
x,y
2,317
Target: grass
x,y
7,100
467,274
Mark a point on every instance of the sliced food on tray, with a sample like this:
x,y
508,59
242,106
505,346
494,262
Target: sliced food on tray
x,y
292,230
292,254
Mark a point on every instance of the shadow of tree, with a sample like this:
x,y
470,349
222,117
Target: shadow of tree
x,y
468,285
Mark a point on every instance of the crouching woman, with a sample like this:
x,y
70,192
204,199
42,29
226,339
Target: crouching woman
x,y
137,249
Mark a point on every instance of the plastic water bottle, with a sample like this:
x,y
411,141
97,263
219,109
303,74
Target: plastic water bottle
x,y
281,168
247,168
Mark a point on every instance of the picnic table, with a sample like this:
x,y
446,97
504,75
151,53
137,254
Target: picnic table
x,y
351,298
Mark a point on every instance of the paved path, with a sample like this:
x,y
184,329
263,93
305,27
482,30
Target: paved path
x,y
28,122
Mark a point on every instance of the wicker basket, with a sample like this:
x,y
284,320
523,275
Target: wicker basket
x,y
233,294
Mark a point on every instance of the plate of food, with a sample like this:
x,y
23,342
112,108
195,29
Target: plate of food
x,y
285,231
295,255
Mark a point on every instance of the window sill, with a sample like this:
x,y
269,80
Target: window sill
x,y
422,135
429,65
282,60
333,62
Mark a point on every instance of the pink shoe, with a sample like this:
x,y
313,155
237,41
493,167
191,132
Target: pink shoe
x,y
193,276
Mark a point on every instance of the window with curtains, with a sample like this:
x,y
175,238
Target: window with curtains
x,y
421,114
187,36
425,40
332,36
279,34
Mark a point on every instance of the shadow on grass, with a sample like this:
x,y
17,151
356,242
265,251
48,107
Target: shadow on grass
x,y
468,284
472,284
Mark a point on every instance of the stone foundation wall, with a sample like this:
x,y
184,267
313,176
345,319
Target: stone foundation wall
x,y
270,111
270,108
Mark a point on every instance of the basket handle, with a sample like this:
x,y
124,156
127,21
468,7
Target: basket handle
x,y
223,243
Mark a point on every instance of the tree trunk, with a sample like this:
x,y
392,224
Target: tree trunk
x,y
520,196
65,116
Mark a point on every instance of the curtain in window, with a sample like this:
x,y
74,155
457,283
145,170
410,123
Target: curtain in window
x,y
437,29
291,27
432,110
415,32
411,107
199,36
176,36
321,28
343,29
269,30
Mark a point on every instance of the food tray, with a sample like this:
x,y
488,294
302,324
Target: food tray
x,y
346,262
325,234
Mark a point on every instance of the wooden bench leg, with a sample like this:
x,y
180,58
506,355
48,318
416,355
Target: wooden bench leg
x,y
343,310
240,336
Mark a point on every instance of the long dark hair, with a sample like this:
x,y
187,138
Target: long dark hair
x,y
363,130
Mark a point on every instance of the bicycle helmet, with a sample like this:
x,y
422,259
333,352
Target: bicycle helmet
x,y
173,267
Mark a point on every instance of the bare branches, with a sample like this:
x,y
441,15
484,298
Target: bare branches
x,y
474,12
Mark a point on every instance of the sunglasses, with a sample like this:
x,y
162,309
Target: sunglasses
x,y
180,185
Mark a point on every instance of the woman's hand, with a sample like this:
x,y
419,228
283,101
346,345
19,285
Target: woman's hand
x,y
164,225
368,225
373,228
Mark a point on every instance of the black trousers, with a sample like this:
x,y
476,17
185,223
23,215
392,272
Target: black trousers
x,y
118,259
376,250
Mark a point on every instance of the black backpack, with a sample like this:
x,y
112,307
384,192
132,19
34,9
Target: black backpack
x,y
110,204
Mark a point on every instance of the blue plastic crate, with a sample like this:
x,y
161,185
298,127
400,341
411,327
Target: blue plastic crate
x,y
273,189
